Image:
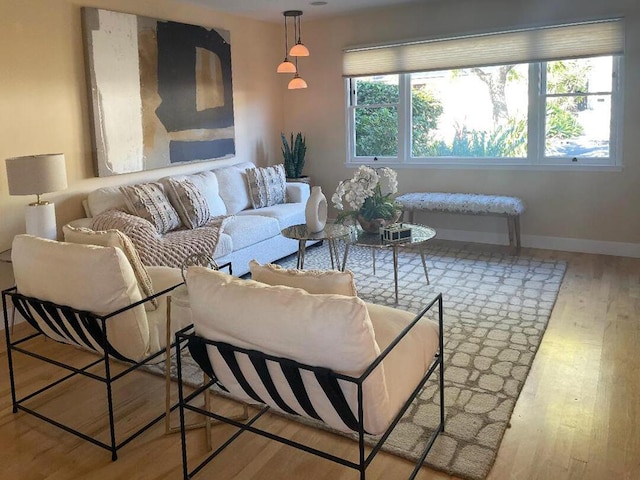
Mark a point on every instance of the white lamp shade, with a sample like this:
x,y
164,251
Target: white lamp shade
x,y
36,174
299,50
286,67
296,83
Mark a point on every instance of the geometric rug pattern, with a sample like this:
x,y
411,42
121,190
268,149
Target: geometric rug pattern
x,y
496,309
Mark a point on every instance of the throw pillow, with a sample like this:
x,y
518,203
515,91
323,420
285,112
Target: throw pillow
x,y
267,186
115,238
233,188
148,201
313,281
189,202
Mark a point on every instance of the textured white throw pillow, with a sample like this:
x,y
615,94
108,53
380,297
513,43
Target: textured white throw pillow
x,y
189,202
313,281
148,201
267,186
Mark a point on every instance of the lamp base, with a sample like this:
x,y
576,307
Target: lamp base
x,y
41,220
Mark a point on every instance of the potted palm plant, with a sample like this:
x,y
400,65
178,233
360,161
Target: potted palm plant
x,y
294,152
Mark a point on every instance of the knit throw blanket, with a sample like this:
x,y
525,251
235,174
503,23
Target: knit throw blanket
x,y
168,250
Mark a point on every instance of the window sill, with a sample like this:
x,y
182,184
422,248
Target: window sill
x,y
488,166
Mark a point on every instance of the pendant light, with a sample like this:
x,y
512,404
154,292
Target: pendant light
x,y
286,66
298,50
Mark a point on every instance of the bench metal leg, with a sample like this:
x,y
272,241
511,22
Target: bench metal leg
x,y
512,229
516,224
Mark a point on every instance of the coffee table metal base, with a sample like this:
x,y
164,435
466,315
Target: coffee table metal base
x,y
420,235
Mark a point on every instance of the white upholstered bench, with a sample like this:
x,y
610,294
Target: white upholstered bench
x,y
468,203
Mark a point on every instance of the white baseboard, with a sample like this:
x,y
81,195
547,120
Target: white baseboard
x,y
619,249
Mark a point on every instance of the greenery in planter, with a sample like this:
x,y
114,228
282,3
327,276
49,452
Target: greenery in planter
x,y
293,153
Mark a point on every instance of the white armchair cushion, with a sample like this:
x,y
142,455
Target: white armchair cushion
x,y
84,277
163,278
115,238
332,331
312,281
409,360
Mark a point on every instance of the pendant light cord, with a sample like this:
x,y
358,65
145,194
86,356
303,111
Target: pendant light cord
x,y
286,39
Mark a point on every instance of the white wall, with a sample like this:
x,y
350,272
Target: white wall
x,y
583,211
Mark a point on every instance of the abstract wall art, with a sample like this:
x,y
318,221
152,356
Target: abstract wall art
x,y
161,92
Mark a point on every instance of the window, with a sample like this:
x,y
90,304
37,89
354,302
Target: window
x,y
555,111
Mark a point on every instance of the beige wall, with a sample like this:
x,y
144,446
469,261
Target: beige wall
x,y
574,210
44,101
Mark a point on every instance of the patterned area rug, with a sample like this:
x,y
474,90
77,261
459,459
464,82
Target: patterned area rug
x,y
496,308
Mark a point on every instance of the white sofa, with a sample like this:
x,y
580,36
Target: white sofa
x,y
246,234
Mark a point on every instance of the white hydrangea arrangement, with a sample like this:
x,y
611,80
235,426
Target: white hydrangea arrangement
x,y
368,194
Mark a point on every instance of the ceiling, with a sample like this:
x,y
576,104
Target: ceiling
x,y
271,10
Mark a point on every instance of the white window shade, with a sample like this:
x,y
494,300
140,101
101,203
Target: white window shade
x,y
580,40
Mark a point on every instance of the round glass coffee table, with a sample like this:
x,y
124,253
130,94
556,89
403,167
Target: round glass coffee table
x,y
420,235
331,233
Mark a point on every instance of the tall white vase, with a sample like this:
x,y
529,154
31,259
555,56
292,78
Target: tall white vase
x,y
315,211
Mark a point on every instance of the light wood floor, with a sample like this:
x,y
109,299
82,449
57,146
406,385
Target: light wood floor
x,y
578,416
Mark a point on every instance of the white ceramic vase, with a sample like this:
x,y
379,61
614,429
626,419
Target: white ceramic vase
x,y
315,211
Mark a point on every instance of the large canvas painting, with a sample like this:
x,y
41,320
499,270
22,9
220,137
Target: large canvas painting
x,y
161,92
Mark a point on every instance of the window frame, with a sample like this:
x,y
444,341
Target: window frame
x,y
536,135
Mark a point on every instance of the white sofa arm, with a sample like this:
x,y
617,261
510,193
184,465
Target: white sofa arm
x,y
297,192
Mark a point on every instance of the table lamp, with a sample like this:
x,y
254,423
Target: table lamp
x,y
35,175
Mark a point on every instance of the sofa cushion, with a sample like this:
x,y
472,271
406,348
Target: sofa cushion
x,y
85,277
332,331
246,230
115,238
189,202
148,201
234,189
207,183
287,214
267,186
312,281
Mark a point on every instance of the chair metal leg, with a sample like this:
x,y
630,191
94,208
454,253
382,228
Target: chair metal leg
x,y
107,373
167,373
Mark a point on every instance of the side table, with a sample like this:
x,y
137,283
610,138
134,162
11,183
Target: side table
x,y
331,233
